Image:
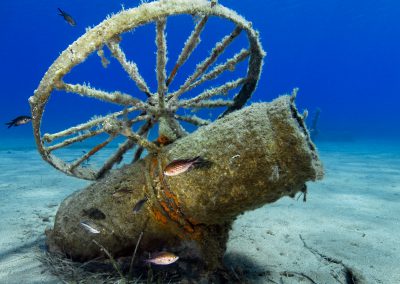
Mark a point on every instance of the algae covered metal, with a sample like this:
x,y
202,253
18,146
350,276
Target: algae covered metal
x,y
255,155
162,105
259,154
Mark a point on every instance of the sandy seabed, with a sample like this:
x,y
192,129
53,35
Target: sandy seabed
x,y
349,223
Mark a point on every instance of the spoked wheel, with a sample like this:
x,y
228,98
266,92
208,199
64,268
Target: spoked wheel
x,y
160,107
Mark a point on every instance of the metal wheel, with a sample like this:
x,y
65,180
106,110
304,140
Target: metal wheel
x,y
160,107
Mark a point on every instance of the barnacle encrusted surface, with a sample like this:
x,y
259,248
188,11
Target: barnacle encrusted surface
x,y
159,108
258,155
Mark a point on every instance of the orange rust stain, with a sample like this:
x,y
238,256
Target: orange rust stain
x,y
164,205
154,164
192,221
169,194
159,216
193,235
175,216
171,214
163,140
181,236
170,205
188,228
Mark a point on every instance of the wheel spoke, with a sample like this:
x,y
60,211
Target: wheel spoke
x,y
221,90
209,104
128,144
159,107
203,66
161,61
230,64
138,139
138,154
190,44
78,138
193,119
93,122
91,152
116,158
130,67
114,97
169,125
104,60
144,132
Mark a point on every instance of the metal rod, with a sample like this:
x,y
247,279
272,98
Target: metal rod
x,y
221,90
209,104
161,61
117,157
190,44
91,153
130,67
74,140
193,120
202,67
93,122
114,97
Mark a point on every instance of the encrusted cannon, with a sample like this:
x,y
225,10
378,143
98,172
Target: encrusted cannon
x,y
255,155
258,155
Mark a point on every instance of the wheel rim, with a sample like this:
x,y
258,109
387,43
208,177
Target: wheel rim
x,y
160,107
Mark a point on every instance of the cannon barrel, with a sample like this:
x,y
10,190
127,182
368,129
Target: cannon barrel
x,y
255,156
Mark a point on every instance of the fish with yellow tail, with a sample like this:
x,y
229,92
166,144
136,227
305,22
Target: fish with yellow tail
x,y
162,258
178,167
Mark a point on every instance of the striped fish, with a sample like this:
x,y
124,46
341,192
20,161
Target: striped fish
x,y
177,167
162,258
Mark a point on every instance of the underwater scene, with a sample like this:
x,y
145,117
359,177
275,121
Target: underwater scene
x,y
200,141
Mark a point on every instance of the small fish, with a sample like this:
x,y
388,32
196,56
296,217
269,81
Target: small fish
x,y
94,213
139,205
121,193
68,18
89,227
22,119
162,258
177,167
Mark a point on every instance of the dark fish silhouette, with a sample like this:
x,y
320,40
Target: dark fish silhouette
x,y
67,17
122,193
177,167
139,205
23,119
94,213
314,129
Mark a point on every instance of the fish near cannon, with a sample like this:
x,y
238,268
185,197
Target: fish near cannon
x,y
180,193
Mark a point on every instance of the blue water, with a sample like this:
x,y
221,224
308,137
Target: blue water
x,y
343,55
